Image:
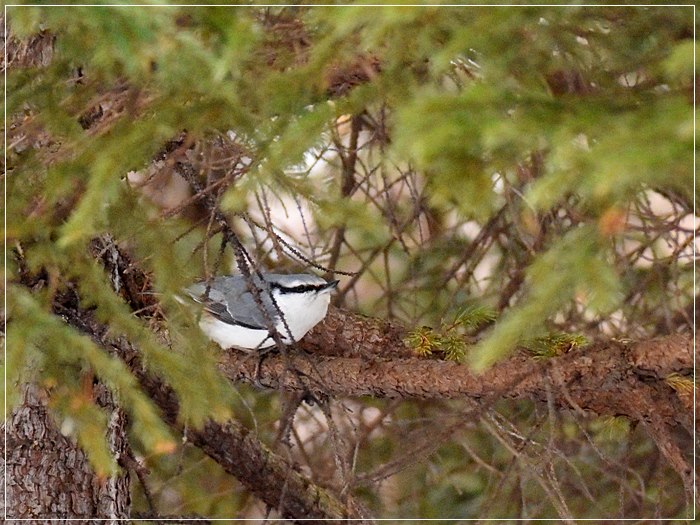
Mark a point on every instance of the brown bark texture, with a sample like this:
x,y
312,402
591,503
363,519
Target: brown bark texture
x,y
352,355
349,355
48,475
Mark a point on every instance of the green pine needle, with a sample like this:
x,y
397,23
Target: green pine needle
x,y
554,344
474,316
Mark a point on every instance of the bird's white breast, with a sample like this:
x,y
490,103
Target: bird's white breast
x,y
233,336
301,311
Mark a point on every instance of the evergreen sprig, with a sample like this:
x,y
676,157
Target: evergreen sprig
x,y
450,340
554,344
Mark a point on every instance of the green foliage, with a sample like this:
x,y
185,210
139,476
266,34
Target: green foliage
x,y
58,352
472,317
574,265
452,154
555,344
423,340
535,125
678,65
449,340
451,343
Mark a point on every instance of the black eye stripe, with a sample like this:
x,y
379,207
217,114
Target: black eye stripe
x,y
302,288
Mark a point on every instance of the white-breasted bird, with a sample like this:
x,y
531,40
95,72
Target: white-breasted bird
x,y
233,319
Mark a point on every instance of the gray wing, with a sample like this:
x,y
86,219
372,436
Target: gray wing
x,y
230,301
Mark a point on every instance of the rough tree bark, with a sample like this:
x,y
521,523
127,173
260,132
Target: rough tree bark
x,y
351,355
48,475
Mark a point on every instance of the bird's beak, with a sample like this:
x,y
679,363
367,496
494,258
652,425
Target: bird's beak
x,y
332,285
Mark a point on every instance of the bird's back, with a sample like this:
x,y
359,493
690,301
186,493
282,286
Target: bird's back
x,y
230,301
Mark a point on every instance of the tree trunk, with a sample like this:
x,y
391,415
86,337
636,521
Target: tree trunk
x,y
48,475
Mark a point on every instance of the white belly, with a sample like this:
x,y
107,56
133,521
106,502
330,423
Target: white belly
x,y
305,313
230,336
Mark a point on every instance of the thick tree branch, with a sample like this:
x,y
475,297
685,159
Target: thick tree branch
x,y
350,355
48,474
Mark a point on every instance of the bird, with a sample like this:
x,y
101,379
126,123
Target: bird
x,y
232,318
